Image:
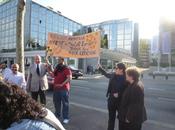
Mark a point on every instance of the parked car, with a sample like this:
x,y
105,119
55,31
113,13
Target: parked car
x,y
76,73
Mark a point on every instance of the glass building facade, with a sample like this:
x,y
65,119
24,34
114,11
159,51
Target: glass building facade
x,y
120,34
8,14
39,20
44,20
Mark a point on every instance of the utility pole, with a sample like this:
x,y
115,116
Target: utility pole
x,y
20,35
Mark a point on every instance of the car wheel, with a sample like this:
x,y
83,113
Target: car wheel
x,y
76,77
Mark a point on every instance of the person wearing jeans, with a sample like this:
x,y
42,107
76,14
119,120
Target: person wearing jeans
x,y
62,76
58,98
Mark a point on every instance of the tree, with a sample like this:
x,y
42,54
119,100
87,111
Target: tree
x,y
89,29
31,43
104,41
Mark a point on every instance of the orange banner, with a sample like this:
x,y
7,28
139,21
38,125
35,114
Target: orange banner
x,y
83,46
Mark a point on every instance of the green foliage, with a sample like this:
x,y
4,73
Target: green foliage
x,y
76,33
104,41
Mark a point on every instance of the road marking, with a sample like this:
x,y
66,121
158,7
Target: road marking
x,y
166,99
79,81
81,87
153,122
89,107
166,125
156,89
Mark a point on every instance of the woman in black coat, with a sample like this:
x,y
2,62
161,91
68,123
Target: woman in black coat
x,y
116,87
132,111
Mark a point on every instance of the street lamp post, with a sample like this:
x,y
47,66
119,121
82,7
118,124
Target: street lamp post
x,y
20,34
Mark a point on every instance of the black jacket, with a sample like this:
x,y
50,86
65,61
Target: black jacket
x,y
132,104
116,84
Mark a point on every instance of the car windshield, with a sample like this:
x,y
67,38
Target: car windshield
x,y
72,67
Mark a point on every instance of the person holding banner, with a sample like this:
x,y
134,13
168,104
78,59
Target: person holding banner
x,y
62,76
116,86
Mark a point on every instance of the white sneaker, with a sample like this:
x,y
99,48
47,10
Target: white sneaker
x,y
65,121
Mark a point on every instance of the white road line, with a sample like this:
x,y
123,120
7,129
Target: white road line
x,y
153,122
79,81
156,89
89,107
166,99
158,123
80,87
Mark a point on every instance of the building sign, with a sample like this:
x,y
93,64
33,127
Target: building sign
x,y
83,46
3,1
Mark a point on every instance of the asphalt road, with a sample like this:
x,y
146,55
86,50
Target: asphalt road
x,y
88,104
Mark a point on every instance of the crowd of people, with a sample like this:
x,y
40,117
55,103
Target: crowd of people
x,y
20,108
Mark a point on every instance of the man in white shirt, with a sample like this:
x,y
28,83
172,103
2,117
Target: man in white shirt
x,y
16,77
4,70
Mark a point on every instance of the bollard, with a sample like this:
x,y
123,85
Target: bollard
x,y
142,76
153,76
166,77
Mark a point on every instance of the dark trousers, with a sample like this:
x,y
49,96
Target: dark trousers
x,y
129,126
42,95
61,100
113,106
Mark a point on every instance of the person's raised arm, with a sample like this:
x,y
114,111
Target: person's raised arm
x,y
49,67
103,72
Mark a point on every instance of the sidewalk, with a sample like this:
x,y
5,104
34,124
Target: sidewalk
x,y
146,76
94,76
86,119
83,118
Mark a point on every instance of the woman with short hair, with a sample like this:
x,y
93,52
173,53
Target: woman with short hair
x,y
132,111
116,86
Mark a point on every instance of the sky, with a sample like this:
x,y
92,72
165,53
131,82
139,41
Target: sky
x,y
145,12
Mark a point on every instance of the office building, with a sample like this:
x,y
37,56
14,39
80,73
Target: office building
x,y
144,53
39,20
167,42
121,35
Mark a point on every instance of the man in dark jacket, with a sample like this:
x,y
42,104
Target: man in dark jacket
x,y
132,111
116,87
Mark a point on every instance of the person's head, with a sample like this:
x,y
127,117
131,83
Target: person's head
x,y
37,59
3,65
15,105
132,74
120,69
60,60
15,68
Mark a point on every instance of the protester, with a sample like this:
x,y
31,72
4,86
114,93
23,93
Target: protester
x,y
37,82
18,111
62,76
132,112
116,86
88,69
4,70
16,77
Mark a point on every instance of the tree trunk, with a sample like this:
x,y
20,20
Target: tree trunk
x,y
20,35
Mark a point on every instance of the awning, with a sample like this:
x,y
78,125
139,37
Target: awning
x,y
116,56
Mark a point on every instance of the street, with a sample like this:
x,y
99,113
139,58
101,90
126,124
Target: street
x,y
88,103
